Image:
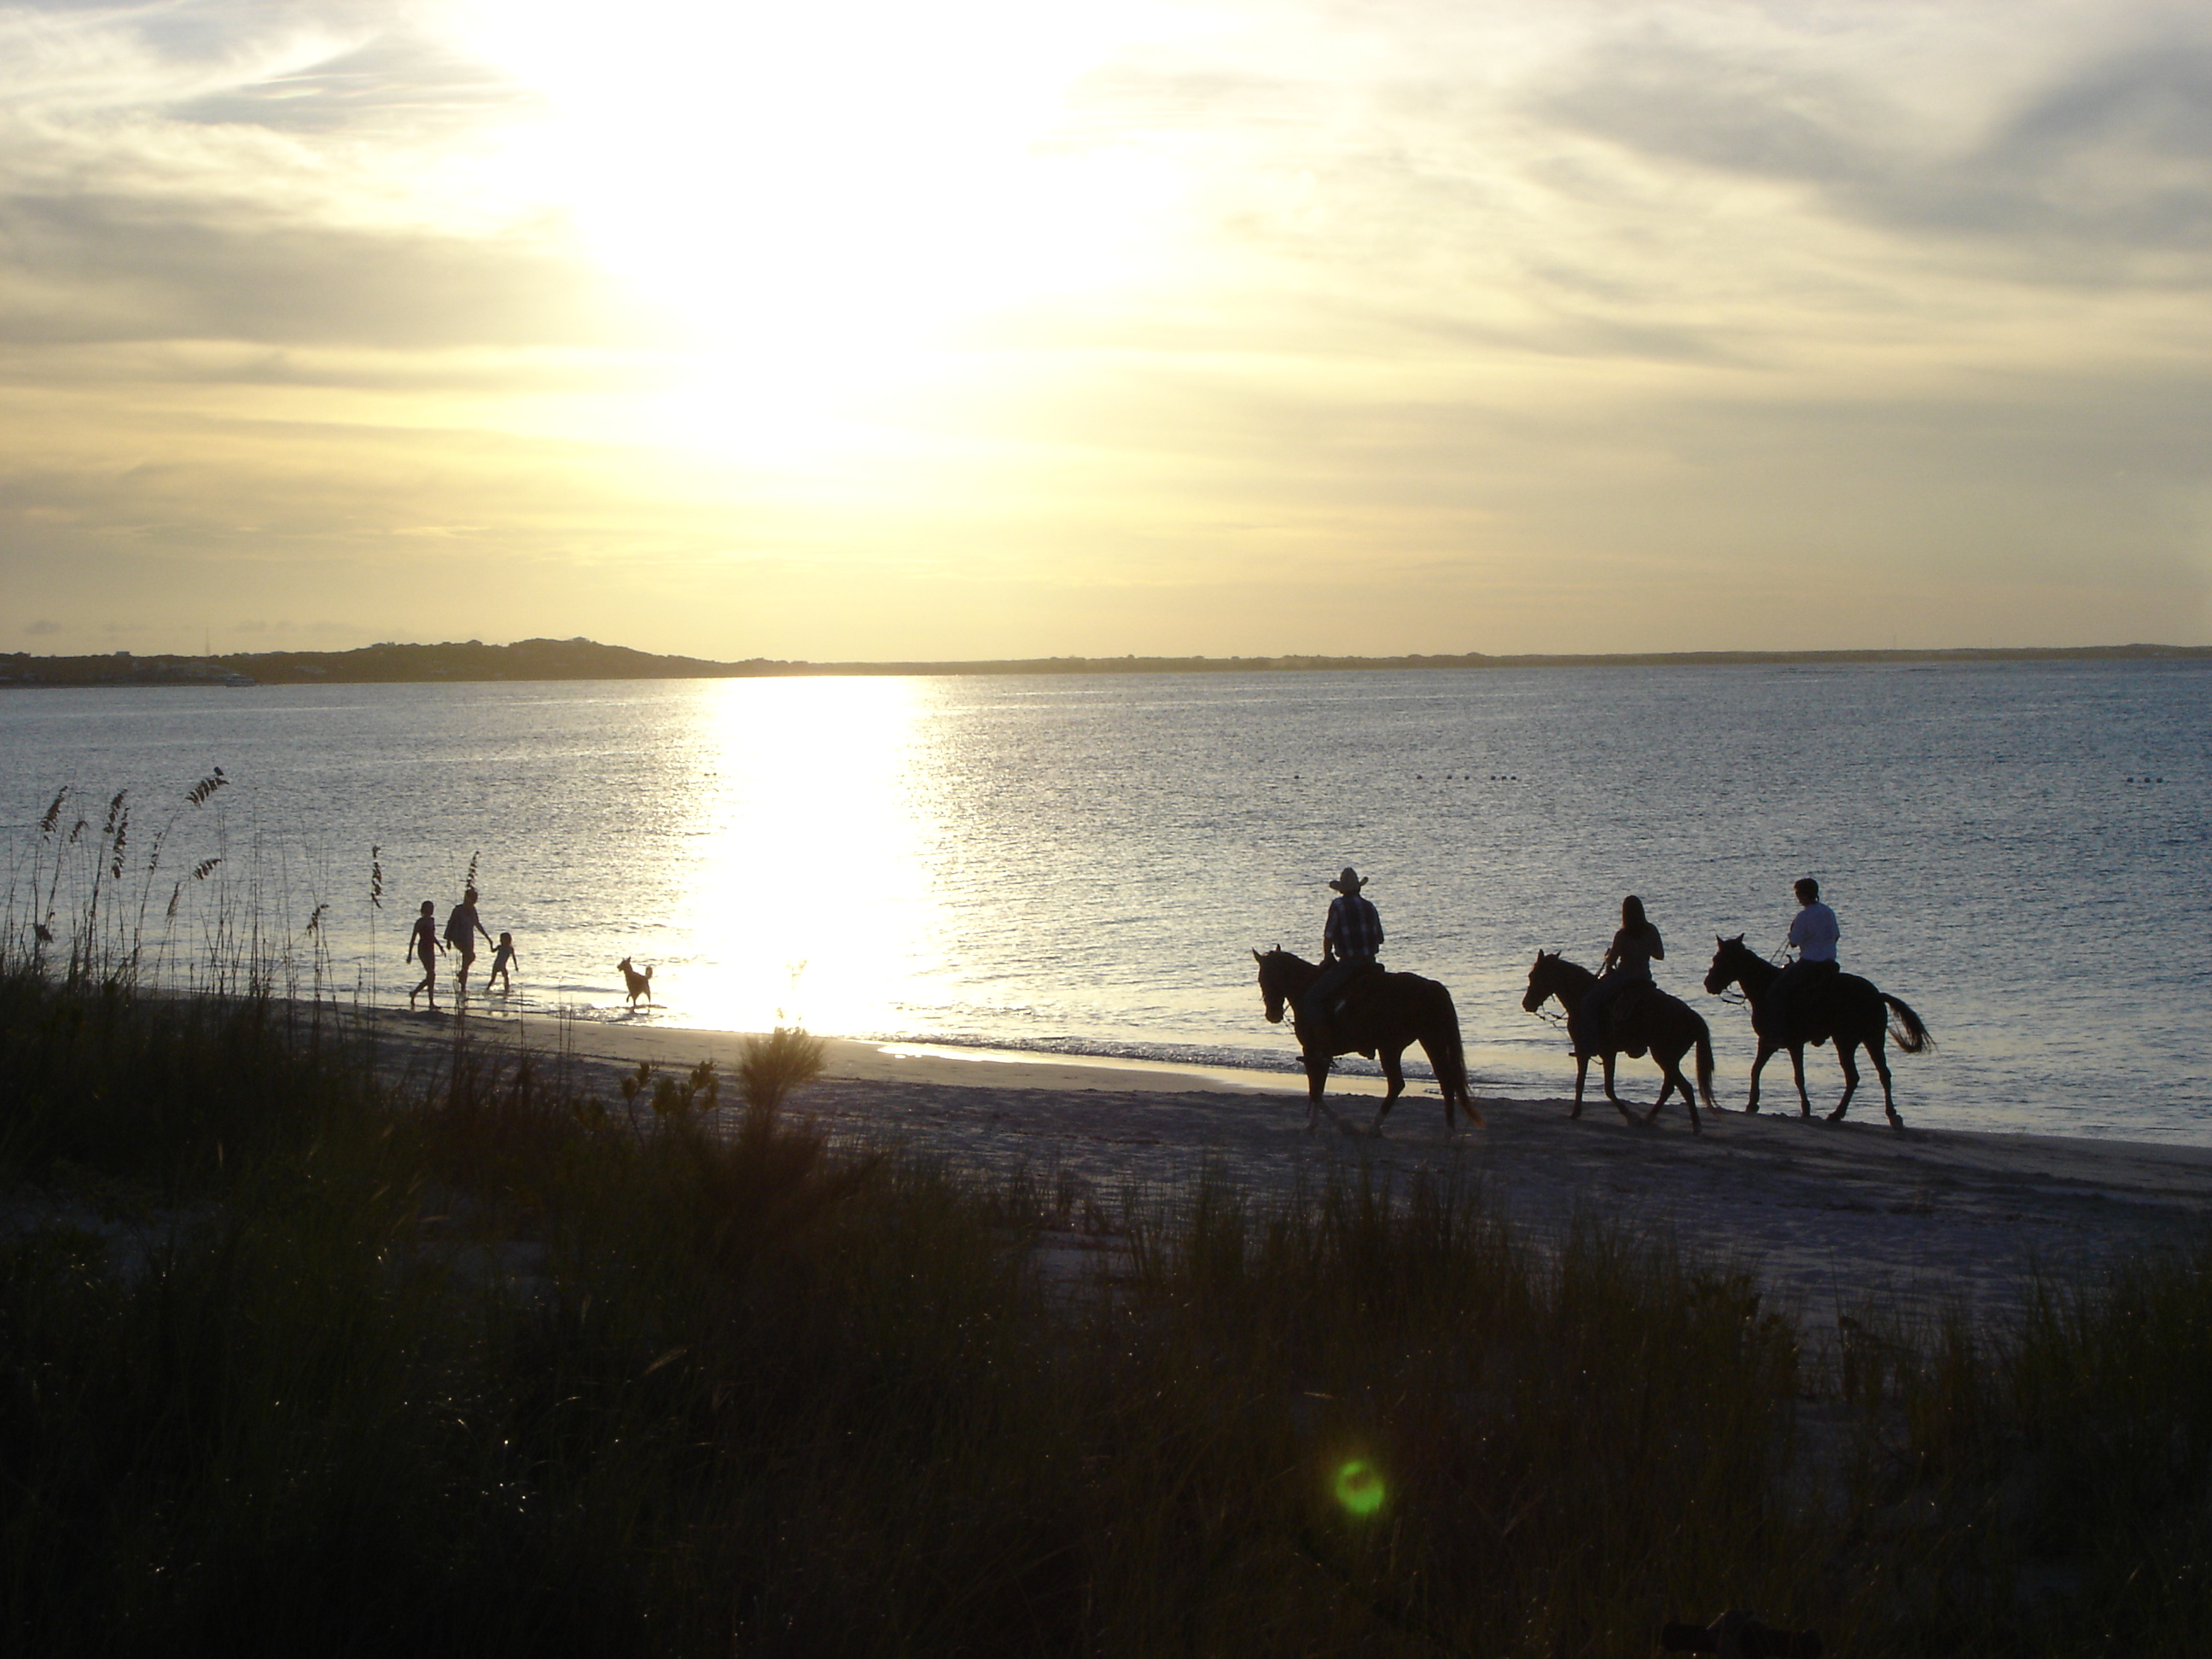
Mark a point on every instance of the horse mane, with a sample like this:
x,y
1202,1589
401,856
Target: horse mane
x,y
1749,963
1575,969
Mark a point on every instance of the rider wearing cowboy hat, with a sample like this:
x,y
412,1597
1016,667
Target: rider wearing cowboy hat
x,y
1349,941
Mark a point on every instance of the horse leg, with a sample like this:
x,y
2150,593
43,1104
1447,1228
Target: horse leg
x,y
1609,1059
1394,1069
1797,1065
1759,1064
1674,1079
1875,1051
1317,1081
1670,1072
1844,1048
1582,1076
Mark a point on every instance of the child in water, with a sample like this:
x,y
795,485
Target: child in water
x,y
501,960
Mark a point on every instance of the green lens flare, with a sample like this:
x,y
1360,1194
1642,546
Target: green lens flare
x,y
1359,1487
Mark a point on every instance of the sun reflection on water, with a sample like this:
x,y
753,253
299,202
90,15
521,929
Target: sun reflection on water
x,y
809,899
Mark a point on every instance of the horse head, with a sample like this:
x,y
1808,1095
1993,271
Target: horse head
x,y
1272,991
1543,981
1730,955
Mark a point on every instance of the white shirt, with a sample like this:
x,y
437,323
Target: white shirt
x,y
1814,933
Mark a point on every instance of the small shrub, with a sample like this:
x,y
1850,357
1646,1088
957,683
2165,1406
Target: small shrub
x,y
769,1068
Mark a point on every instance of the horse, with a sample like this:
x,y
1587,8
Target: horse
x,y
1666,1025
1847,1008
1388,1012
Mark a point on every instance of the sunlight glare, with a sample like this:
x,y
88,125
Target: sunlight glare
x,y
811,900
818,197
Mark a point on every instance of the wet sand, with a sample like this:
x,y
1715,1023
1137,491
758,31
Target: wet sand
x,y
1828,1215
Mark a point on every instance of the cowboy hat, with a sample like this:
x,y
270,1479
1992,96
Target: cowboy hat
x,y
1349,883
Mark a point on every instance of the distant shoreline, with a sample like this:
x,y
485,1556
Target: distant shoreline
x,y
473,662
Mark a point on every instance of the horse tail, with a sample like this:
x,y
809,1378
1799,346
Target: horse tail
x,y
1704,1062
1907,1029
1450,1058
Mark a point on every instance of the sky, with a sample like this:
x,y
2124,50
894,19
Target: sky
x,y
1010,328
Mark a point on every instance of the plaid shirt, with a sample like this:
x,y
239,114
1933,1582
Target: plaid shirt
x,y
1354,926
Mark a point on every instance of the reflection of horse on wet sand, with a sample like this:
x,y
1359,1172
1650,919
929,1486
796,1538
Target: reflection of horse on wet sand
x,y
1847,1009
1643,1017
1386,1013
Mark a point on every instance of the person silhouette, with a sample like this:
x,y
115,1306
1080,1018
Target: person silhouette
x,y
424,942
462,928
1814,933
1636,945
501,960
1350,938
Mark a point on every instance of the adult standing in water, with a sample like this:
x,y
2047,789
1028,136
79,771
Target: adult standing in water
x,y
462,927
1350,940
423,943
1636,945
1813,934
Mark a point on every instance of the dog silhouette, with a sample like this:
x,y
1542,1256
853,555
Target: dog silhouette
x,y
640,984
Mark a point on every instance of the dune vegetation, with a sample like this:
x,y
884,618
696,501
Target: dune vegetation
x,y
305,1349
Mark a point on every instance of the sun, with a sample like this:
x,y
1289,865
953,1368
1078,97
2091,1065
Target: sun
x,y
822,201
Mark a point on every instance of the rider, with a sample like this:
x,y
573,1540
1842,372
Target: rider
x,y
1349,941
1813,934
1627,961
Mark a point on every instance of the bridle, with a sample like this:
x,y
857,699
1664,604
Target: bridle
x,y
1552,1009
1734,994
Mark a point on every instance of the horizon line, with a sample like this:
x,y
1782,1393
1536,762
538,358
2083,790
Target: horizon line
x,y
583,658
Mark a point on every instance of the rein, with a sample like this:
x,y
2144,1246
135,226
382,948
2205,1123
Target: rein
x,y
1736,996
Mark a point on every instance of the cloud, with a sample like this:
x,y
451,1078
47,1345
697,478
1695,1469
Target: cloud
x,y
392,84
269,173
2101,172
94,267
42,627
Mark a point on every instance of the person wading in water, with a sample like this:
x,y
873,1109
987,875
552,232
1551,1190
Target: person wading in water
x,y
1350,940
462,929
424,942
1813,934
1627,963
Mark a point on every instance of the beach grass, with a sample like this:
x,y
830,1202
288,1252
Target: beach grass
x,y
307,1346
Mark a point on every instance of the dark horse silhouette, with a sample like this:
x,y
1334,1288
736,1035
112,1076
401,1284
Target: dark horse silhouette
x,y
1389,1011
1847,1008
1666,1025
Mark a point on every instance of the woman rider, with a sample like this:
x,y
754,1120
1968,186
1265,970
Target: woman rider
x,y
1627,961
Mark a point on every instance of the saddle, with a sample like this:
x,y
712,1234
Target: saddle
x,y
1632,1000
1348,1004
1802,1014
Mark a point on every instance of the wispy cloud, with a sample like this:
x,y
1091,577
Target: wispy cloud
x,y
2099,170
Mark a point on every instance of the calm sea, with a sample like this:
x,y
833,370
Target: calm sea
x,y
1083,863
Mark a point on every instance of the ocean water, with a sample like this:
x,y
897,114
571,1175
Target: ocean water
x,y
1083,863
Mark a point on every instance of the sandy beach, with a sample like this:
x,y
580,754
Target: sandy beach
x,y
1827,1215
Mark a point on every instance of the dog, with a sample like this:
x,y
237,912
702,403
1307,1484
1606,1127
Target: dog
x,y
640,984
